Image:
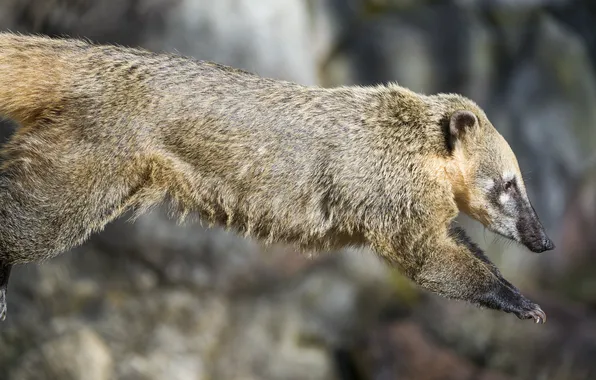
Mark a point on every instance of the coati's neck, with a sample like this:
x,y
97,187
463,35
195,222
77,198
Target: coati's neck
x,y
415,121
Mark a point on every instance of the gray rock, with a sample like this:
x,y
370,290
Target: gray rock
x,y
77,355
269,37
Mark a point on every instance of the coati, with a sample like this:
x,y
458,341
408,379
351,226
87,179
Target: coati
x,y
105,129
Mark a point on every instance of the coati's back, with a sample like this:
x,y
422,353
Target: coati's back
x,y
249,152
39,73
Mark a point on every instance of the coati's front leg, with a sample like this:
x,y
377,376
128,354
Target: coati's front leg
x,y
456,268
504,299
4,275
462,238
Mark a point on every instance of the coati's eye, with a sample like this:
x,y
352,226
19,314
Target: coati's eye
x,y
508,186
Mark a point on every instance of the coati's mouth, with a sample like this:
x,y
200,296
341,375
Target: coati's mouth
x,y
539,245
529,233
535,243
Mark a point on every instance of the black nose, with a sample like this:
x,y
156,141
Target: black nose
x,y
540,245
544,245
548,244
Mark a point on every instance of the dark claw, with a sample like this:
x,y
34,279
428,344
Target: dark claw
x,y
535,313
538,314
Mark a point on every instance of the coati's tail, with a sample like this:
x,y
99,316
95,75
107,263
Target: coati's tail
x,y
34,73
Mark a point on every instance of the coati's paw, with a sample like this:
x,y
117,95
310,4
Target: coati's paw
x,y
532,311
2,304
510,300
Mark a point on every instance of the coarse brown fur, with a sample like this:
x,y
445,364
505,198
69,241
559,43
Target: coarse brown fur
x,y
105,129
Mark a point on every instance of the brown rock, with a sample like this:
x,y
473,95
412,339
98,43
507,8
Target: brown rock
x,y
404,351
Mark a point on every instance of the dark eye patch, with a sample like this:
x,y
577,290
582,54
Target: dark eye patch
x,y
501,186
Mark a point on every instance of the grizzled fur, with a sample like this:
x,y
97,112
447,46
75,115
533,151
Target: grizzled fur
x,y
106,129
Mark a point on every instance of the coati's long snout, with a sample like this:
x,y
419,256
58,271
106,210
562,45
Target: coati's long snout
x,y
514,217
531,232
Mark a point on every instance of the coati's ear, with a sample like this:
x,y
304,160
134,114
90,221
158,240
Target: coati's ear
x,y
459,123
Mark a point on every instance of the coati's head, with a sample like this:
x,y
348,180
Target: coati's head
x,y
486,178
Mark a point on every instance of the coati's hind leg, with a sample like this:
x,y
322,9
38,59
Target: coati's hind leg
x,y
4,275
55,190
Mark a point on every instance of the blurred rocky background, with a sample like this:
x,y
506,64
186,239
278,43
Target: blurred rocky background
x,y
154,300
